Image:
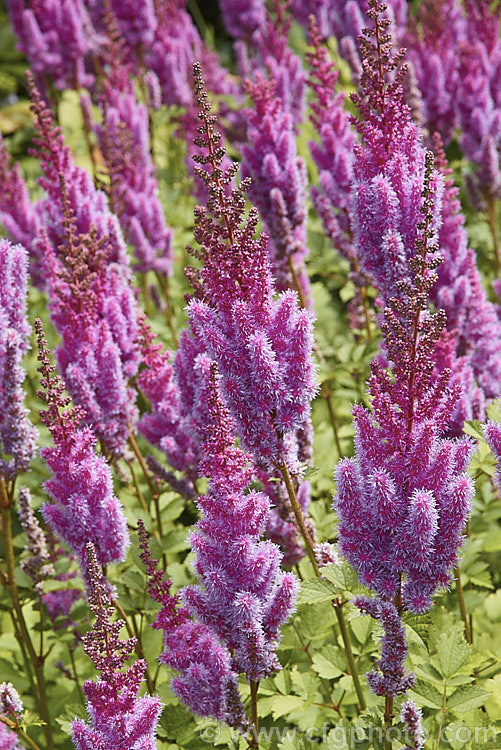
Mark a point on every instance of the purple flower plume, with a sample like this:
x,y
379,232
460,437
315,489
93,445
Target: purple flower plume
x,y
404,498
18,437
243,595
91,299
411,717
206,682
492,431
242,17
263,345
390,677
18,214
118,717
124,140
8,739
56,36
278,184
84,508
10,703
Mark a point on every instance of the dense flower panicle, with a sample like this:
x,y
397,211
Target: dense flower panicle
x,y
263,346
388,171
432,47
124,140
18,214
8,739
206,682
137,21
242,17
57,36
404,498
10,703
278,184
243,596
334,154
177,396
18,436
269,53
411,716
390,678
492,432
91,299
38,564
118,717
84,507
460,293
478,98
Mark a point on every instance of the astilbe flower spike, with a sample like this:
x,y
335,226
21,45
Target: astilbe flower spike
x,y
262,345
206,682
38,564
411,716
243,595
91,299
124,140
11,708
243,17
84,507
18,437
492,432
278,184
269,53
18,214
118,717
57,37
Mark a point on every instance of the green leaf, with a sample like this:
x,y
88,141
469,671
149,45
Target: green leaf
x,y
329,663
432,697
452,652
466,698
316,590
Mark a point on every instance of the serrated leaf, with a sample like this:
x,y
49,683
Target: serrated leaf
x,y
316,590
467,698
329,663
432,696
452,652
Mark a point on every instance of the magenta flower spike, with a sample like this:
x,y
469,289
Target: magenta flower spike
x,y
92,303
206,682
243,17
8,739
411,717
84,508
278,185
243,595
124,140
118,718
492,432
18,214
263,346
18,437
57,36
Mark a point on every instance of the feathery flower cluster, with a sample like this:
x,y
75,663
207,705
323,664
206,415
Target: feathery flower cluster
x,y
57,37
8,739
207,683
137,21
410,716
124,141
118,717
478,100
278,185
404,498
84,507
390,678
10,702
92,302
270,54
17,213
459,291
244,596
243,17
178,400
263,346
492,431
432,47
18,437
38,564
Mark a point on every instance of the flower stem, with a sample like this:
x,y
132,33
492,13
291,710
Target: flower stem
x,y
337,604
388,720
36,661
254,730
462,606
492,221
326,394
